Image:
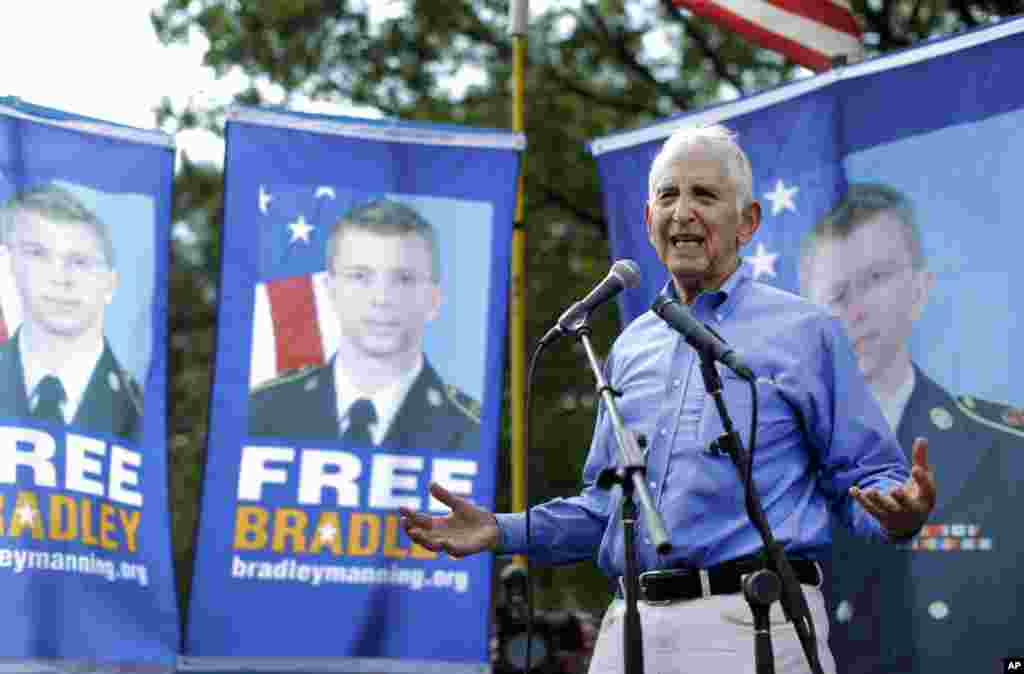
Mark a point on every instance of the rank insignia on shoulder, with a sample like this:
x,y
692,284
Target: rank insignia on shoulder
x,y
434,397
122,382
994,415
941,417
466,404
1014,417
291,376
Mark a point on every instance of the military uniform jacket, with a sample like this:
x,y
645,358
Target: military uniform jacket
x,y
951,600
303,406
111,403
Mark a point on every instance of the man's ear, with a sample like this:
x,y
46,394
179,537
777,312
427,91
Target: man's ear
x,y
923,282
750,221
114,281
647,222
436,300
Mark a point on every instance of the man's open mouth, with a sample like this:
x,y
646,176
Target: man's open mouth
x,y
684,241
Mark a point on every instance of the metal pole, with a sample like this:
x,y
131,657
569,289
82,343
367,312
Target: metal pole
x,y
518,19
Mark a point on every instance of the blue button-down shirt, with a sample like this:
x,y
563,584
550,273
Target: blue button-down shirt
x,y
819,431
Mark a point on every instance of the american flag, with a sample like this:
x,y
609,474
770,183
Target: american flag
x,y
809,32
293,326
293,323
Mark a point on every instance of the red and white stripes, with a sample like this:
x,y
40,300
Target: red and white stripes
x,y
809,32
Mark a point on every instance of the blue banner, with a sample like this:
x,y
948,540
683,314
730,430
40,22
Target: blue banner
x,y
889,193
85,548
359,357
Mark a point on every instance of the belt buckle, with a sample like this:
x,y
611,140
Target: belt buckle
x,y
653,574
640,590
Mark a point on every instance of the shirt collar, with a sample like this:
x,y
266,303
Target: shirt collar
x,y
386,401
720,302
894,405
74,374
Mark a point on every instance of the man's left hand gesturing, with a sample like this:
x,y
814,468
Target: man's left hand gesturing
x,y
903,511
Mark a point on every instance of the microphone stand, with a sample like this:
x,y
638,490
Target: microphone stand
x,y
777,581
630,474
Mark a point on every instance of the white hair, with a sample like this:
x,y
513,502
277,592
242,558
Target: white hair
x,y
722,143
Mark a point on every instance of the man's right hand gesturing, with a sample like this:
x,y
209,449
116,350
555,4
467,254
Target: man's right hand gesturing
x,y
465,531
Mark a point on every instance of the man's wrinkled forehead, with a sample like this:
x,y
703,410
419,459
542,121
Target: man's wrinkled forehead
x,y
695,163
34,226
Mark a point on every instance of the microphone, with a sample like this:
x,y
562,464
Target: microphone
x,y
699,336
623,274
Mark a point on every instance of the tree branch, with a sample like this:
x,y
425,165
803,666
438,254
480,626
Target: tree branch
x,y
629,60
613,101
698,36
482,31
560,200
963,10
881,22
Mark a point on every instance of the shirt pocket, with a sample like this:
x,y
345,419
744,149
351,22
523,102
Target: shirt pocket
x,y
775,418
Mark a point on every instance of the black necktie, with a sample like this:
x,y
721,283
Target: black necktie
x,y
49,396
360,416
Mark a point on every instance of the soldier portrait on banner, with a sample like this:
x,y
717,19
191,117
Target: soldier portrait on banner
x,y
340,354
60,282
865,261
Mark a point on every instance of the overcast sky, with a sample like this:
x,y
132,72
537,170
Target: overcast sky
x,y
102,59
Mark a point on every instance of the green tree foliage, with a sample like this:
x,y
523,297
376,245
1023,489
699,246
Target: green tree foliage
x,y
595,67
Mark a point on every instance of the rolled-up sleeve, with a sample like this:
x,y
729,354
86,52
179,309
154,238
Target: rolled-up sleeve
x,y
567,530
855,443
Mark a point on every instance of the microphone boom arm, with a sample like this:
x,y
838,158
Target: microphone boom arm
x,y
631,458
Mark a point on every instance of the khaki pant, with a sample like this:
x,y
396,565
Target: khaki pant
x,y
709,636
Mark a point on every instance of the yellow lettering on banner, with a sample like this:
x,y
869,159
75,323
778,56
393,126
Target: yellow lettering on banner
x,y
130,521
88,530
107,526
290,523
328,531
251,528
26,515
296,531
358,544
391,547
63,518
66,518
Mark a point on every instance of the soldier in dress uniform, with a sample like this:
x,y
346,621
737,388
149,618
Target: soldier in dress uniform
x,y
948,600
58,366
378,389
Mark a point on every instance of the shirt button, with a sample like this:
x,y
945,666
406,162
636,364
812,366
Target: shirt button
x,y
719,317
654,485
676,383
663,432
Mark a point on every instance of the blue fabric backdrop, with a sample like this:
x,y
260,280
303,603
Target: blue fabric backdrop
x,y
85,549
943,124
360,596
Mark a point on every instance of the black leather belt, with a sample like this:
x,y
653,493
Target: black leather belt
x,y
668,585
